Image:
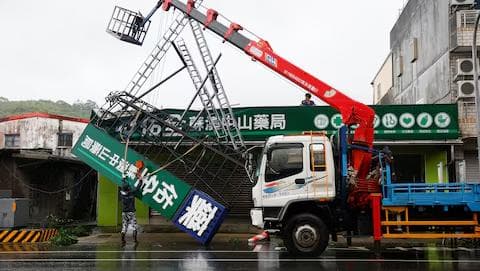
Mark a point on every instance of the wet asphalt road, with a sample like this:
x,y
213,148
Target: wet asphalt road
x,y
229,253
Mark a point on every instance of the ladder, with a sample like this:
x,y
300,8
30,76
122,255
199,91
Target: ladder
x,y
228,120
158,52
214,118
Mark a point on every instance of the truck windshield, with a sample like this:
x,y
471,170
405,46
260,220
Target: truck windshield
x,y
284,160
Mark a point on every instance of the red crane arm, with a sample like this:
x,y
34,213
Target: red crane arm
x,y
353,112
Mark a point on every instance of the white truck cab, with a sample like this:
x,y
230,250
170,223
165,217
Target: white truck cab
x,y
295,182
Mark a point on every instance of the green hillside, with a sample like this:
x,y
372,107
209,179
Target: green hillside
x,y
77,109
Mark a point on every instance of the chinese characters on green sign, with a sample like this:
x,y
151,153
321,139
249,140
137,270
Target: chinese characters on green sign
x,y
393,122
192,211
162,191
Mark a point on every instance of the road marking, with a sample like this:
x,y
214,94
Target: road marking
x,y
398,248
466,249
133,251
167,251
434,249
350,248
449,261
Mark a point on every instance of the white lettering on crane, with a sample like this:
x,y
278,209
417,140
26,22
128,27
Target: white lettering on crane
x,y
300,81
330,93
256,51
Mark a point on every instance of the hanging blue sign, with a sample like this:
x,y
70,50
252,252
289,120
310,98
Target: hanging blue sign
x,y
200,216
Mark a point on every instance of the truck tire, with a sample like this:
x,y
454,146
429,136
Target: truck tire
x,y
306,235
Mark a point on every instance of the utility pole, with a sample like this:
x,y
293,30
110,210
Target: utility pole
x,y
477,91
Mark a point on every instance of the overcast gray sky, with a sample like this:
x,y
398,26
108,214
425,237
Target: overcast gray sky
x,y
58,49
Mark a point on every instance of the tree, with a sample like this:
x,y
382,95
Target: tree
x,y
78,109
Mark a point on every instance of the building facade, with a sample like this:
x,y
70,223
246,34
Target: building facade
x,y
36,163
383,81
422,149
432,64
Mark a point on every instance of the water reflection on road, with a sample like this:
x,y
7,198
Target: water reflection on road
x,y
231,256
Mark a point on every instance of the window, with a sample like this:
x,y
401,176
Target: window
x,y
284,160
12,140
65,139
317,156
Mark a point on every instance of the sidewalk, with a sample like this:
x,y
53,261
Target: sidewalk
x,y
234,225
162,238
227,240
240,230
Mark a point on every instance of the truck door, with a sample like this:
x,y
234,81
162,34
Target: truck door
x,y
285,176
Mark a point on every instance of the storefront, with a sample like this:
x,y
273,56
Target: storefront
x,y
423,139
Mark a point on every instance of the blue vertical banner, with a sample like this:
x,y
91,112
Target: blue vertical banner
x,y
200,216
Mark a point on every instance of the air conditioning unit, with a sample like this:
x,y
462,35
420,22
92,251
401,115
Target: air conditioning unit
x,y
465,66
466,89
462,2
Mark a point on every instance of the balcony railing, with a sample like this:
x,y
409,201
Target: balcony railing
x,y
462,27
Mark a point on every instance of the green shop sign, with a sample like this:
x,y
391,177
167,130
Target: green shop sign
x,y
392,122
161,191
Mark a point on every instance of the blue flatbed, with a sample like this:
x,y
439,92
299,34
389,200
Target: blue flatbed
x,y
449,194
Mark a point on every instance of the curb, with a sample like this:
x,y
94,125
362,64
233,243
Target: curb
x,y
228,228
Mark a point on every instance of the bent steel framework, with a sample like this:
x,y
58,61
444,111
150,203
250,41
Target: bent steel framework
x,y
353,112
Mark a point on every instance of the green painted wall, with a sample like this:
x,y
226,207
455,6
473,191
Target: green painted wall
x,y
108,206
432,159
143,212
109,211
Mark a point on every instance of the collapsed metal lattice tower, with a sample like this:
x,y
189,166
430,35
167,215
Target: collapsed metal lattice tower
x,y
203,147
131,27
191,155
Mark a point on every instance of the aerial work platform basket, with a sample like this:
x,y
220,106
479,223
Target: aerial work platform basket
x,y
128,26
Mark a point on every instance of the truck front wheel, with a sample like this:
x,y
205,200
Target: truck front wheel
x,y
306,235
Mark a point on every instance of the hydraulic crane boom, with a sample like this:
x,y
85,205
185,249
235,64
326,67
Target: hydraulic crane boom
x,y
353,112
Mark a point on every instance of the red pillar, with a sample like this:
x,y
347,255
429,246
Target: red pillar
x,y
375,201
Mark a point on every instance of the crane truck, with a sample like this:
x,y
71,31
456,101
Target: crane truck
x,y
310,187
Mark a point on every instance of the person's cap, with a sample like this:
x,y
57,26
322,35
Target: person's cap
x,y
308,95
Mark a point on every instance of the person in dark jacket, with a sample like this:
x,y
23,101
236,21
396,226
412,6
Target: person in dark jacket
x,y
308,101
127,195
